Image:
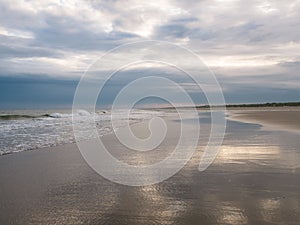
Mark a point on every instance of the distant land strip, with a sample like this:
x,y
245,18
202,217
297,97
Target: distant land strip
x,y
268,104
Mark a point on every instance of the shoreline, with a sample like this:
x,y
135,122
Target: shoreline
x,y
260,115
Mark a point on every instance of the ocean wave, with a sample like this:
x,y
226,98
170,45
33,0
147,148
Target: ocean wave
x,y
27,130
20,117
51,115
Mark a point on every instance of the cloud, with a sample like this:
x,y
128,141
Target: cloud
x,y
237,39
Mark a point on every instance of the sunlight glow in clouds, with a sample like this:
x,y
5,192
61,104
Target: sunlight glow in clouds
x,y
266,7
16,33
229,61
60,38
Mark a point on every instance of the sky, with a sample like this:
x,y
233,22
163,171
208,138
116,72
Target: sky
x,y
253,47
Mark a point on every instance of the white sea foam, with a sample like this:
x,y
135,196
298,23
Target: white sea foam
x,y
42,129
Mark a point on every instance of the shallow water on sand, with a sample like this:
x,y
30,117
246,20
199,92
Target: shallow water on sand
x,y
254,180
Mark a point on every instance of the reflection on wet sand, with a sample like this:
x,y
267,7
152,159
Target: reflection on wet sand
x,y
254,180
246,154
270,208
232,215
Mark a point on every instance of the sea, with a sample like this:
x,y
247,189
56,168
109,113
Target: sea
x,y
22,130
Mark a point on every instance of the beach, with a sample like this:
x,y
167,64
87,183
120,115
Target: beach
x,y
281,118
255,179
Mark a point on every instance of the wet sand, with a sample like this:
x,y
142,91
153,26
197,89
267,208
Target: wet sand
x,y
282,118
254,180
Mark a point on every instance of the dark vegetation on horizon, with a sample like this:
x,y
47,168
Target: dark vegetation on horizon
x,y
272,104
